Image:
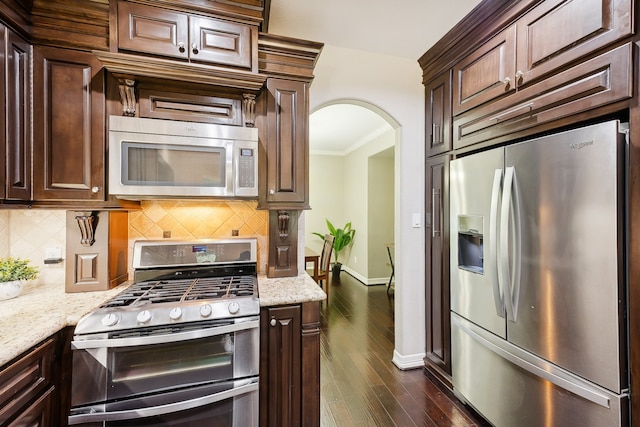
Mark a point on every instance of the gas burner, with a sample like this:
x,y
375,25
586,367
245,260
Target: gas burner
x,y
181,282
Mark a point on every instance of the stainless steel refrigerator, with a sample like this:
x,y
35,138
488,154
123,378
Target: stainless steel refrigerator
x,y
538,280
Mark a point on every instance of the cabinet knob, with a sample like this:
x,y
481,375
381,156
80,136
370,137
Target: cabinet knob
x,y
506,81
519,76
181,47
272,191
273,322
95,189
194,49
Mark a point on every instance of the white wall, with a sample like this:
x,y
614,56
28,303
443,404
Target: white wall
x,y
394,85
380,208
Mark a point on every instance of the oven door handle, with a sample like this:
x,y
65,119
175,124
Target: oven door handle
x,y
165,338
244,387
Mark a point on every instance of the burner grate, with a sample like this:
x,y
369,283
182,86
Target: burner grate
x,y
164,291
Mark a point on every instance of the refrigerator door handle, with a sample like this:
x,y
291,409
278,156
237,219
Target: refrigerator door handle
x,y
497,286
510,280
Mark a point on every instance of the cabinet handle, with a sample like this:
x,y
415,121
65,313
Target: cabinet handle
x,y
194,49
506,81
95,189
181,47
435,196
519,76
436,137
273,322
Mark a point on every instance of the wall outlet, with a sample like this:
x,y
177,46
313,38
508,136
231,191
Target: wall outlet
x,y
54,252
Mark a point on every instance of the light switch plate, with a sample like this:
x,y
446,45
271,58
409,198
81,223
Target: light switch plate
x,y
415,221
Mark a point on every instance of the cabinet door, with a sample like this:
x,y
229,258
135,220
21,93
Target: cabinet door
x,y
69,135
3,115
438,354
438,114
602,80
560,31
18,122
287,145
487,73
152,30
220,42
280,392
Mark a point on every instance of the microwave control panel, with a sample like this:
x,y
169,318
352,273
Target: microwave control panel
x,y
246,166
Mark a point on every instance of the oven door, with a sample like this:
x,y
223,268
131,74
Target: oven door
x,y
130,363
229,403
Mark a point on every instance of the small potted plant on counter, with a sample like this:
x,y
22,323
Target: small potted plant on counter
x,y
13,272
342,238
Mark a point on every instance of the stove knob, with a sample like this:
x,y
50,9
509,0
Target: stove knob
x,y
234,307
175,313
205,310
144,316
110,319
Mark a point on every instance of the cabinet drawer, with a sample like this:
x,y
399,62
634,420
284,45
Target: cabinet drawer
x,y
24,380
160,104
597,82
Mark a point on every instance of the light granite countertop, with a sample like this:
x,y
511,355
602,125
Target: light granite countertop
x,y
42,310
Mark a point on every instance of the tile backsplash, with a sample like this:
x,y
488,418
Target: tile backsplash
x,y
26,233
188,219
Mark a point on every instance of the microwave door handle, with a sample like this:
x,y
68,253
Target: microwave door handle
x,y
247,386
165,338
497,285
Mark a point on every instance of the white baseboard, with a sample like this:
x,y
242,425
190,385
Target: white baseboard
x,y
364,280
412,361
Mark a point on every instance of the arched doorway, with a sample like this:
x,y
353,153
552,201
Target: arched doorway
x,y
352,179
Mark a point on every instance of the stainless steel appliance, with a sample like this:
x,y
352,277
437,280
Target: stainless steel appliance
x,y
154,158
179,347
538,280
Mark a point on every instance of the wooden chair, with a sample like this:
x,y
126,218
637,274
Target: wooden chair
x,y
325,263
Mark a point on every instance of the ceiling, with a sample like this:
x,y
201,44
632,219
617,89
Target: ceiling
x,y
404,28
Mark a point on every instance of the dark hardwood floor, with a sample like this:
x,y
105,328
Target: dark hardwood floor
x,y
360,386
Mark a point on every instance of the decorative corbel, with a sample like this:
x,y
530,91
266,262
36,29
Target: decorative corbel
x,y
249,109
87,222
128,96
283,224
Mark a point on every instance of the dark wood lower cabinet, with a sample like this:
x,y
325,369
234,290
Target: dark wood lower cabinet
x,y
34,388
290,365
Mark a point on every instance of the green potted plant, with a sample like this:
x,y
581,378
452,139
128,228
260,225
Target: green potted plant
x,y
13,271
342,238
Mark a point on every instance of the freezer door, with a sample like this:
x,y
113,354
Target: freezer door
x,y
474,196
511,387
570,190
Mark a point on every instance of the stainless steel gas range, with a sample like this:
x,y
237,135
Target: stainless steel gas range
x,y
179,347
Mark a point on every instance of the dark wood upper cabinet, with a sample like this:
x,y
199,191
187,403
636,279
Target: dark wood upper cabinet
x,y
164,32
69,125
486,74
3,115
557,32
539,43
285,141
18,118
438,114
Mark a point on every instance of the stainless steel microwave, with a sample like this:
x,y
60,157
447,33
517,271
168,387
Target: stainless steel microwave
x,y
154,158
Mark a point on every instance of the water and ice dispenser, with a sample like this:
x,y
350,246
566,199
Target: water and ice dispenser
x,y
470,243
